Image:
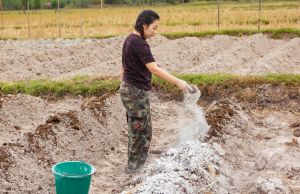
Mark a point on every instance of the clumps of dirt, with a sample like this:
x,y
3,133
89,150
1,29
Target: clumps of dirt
x,y
1,100
217,115
53,119
296,132
42,133
296,128
96,105
190,167
5,159
73,120
45,132
292,143
295,124
71,116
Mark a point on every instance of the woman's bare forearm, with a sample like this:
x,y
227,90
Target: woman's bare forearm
x,y
153,68
165,75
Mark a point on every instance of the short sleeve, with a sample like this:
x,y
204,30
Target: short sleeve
x,y
144,53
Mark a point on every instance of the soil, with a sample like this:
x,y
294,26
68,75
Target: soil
x,y
57,59
250,145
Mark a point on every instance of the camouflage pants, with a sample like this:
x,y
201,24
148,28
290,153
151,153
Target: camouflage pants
x,y
136,102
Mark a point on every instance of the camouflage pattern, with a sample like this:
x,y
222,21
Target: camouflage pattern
x,y
136,102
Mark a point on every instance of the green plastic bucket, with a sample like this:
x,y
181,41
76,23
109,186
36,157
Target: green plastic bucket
x,y
72,177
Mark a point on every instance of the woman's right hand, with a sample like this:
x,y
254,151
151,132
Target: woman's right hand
x,y
182,85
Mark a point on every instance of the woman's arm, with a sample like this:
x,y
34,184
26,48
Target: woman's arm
x,y
122,73
153,68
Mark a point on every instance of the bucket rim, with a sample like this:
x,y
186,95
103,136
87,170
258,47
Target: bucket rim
x,y
93,170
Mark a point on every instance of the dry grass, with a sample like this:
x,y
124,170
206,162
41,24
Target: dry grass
x,y
194,17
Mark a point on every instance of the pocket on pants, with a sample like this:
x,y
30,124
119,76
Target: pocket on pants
x,y
139,124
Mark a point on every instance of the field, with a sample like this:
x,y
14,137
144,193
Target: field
x,y
239,134
59,101
193,17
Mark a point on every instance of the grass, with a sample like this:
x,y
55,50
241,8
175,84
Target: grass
x,y
60,88
88,86
197,17
274,33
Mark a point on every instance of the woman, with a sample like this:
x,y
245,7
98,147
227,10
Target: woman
x,y
138,65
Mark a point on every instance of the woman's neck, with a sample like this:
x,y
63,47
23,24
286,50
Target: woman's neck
x,y
137,33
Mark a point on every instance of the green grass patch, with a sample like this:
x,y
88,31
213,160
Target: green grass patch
x,y
77,86
88,86
228,80
246,5
274,33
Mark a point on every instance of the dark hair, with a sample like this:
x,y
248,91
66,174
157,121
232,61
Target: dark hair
x,y
145,17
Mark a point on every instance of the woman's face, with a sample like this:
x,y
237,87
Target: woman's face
x,y
150,30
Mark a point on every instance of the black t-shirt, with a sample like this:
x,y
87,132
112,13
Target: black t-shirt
x,y
135,55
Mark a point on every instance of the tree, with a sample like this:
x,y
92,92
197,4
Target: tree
x,y
24,4
37,4
80,3
54,4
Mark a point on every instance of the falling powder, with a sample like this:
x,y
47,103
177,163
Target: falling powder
x,y
192,122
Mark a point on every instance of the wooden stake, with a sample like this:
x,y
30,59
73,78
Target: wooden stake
x,y
218,14
1,7
28,20
58,9
81,27
259,14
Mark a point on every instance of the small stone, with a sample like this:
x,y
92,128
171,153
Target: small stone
x,y
261,164
194,177
271,185
294,142
296,132
295,124
218,149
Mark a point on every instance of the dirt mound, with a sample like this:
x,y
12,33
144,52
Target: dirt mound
x,y
58,131
50,58
252,148
39,133
58,59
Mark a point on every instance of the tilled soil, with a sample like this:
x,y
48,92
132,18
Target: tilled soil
x,y
250,148
56,59
252,144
